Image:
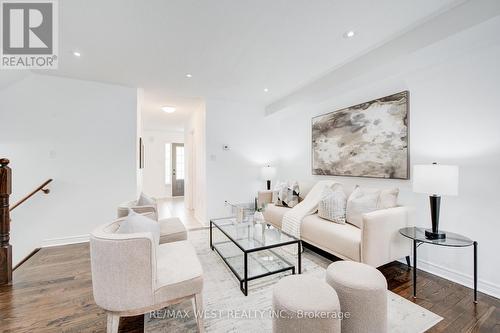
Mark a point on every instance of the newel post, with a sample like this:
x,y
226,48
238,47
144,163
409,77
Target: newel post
x,y
5,247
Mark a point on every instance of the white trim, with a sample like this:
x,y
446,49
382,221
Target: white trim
x,y
65,240
459,277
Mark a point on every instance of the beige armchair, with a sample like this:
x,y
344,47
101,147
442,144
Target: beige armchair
x,y
131,275
171,229
123,208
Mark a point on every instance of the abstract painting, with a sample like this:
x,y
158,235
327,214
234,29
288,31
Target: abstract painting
x,y
365,140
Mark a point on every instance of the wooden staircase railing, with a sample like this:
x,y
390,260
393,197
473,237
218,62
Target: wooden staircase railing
x,y
32,193
5,192
5,247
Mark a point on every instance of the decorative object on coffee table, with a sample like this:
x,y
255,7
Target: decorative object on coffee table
x,y
268,173
452,240
241,212
436,180
365,140
258,216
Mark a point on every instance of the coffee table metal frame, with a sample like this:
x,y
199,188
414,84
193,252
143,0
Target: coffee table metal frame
x,y
245,278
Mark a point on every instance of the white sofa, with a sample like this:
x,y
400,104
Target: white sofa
x,y
376,243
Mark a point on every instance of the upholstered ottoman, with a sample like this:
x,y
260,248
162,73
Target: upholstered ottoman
x,y
305,304
362,292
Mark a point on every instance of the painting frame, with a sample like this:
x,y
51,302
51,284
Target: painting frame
x,y
406,94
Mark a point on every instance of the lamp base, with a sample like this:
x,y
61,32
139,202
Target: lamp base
x,y
429,234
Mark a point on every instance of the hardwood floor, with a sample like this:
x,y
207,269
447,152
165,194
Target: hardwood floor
x,y
52,292
174,207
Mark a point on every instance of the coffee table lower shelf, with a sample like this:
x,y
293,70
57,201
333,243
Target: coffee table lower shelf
x,y
256,263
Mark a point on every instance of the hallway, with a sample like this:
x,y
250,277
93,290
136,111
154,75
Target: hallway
x,y
174,207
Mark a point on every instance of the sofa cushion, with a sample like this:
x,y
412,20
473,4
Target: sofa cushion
x,y
366,200
274,214
341,239
172,230
388,198
178,270
361,202
333,203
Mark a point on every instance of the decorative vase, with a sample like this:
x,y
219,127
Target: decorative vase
x,y
258,217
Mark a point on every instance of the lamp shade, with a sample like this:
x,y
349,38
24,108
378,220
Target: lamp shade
x,y
268,172
435,179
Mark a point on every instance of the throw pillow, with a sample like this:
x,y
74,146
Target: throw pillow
x,y
359,203
144,200
332,206
288,195
134,223
277,192
388,198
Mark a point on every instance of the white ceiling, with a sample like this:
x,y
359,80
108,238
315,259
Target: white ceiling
x,y
233,48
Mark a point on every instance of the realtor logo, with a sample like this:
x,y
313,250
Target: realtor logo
x,y
29,34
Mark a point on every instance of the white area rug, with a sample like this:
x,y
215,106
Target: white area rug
x,y
228,310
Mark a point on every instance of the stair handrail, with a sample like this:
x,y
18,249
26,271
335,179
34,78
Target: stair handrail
x,y
5,209
32,193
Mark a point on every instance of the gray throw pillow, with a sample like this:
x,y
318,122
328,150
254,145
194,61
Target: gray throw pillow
x,y
332,206
135,223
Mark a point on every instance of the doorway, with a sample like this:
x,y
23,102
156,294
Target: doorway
x,y
178,169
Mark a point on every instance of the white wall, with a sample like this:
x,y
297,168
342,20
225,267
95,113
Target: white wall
x,y
139,126
154,163
454,86
234,174
195,184
82,134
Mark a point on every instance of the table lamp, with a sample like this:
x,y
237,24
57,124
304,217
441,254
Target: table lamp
x,y
436,180
268,173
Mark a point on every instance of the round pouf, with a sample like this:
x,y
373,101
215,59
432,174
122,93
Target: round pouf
x,y
362,292
305,304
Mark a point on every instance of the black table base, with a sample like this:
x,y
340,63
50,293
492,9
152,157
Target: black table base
x,y
417,235
244,280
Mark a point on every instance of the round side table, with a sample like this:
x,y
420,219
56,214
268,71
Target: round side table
x,y
452,240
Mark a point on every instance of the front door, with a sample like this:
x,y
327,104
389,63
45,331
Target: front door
x,y
177,169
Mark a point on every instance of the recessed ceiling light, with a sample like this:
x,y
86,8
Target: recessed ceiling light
x,y
349,34
266,90
77,54
189,76
168,109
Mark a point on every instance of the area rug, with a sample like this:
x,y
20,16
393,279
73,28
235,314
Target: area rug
x,y
228,310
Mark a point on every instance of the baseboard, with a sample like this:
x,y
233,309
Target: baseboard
x,y
460,278
65,241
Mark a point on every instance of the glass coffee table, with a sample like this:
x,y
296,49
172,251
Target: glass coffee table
x,y
250,249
